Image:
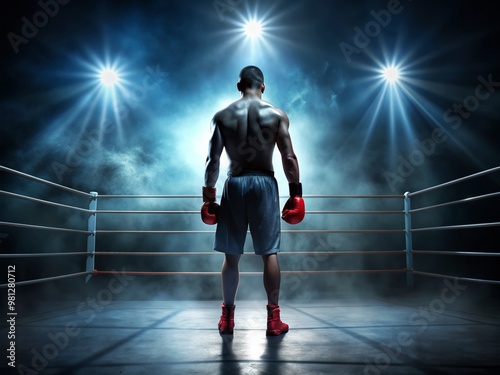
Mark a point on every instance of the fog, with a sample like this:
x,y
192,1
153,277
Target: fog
x,y
179,64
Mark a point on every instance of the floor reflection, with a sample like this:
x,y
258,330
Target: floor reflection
x,y
229,363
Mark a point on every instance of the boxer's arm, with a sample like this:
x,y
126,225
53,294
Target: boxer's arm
x,y
215,147
288,157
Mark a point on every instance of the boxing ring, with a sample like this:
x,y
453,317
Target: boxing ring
x,y
451,331
93,232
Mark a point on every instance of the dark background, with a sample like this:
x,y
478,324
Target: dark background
x,y
352,133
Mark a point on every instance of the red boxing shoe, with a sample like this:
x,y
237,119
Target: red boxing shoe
x,y
275,326
226,322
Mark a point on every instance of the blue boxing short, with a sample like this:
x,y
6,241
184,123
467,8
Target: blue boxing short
x,y
249,200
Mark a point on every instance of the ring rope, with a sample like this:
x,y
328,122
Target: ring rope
x,y
463,226
36,200
114,253
390,196
37,255
258,273
465,200
45,279
400,212
53,184
301,231
465,253
438,275
31,226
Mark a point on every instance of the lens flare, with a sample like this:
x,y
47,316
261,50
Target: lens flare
x,y
109,77
391,74
253,29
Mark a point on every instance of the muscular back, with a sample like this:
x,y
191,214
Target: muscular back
x,y
249,129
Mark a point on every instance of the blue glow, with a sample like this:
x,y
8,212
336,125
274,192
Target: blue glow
x,y
386,118
254,36
99,97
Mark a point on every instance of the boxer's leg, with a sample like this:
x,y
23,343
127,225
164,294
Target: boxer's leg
x,y
230,278
272,278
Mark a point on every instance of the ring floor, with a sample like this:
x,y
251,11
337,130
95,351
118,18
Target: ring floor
x,y
433,334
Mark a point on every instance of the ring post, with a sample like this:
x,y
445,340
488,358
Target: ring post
x,y
90,265
409,242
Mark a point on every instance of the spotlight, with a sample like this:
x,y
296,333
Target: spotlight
x,y
391,74
253,29
109,77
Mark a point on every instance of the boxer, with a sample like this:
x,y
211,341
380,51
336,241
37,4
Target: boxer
x,y
249,129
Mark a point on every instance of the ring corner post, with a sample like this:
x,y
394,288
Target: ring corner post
x,y
408,241
91,240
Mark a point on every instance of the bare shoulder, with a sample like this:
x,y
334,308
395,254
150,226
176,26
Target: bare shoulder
x,y
225,114
278,112
220,115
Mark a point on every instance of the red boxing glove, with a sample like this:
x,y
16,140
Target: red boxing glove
x,y
210,209
295,208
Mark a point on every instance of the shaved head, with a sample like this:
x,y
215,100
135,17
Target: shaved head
x,y
251,77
